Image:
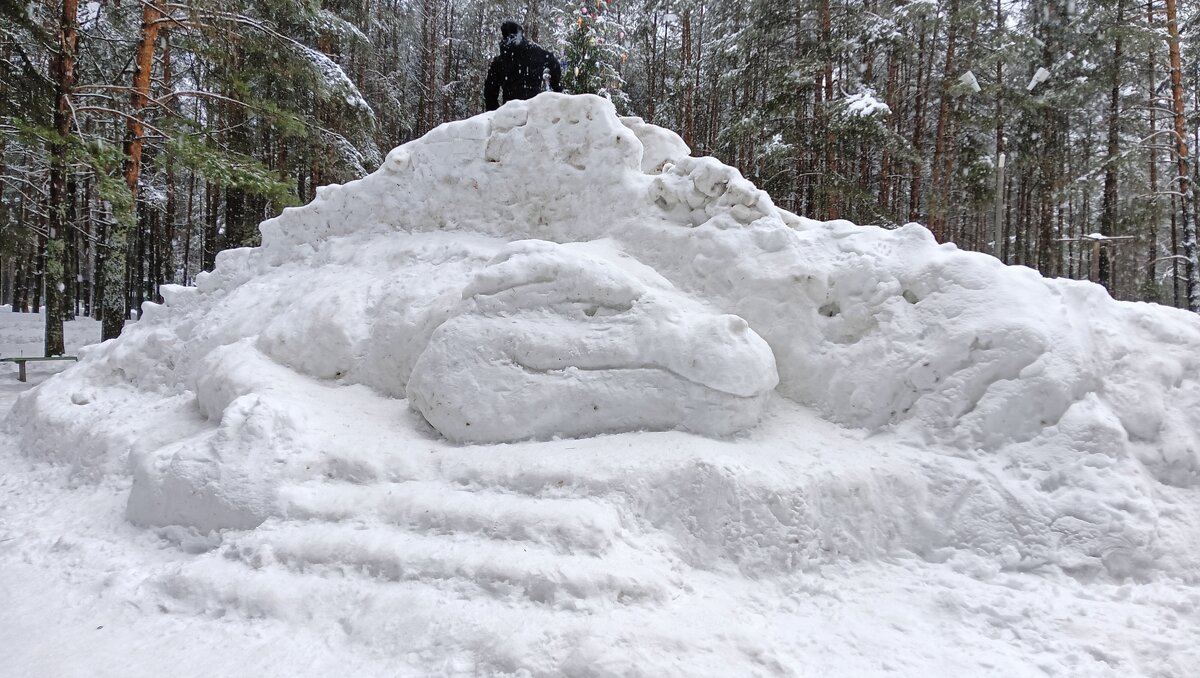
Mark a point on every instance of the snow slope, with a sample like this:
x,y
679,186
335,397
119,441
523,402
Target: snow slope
x,y
415,420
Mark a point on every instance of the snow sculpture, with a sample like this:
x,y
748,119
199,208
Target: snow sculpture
x,y
553,342
1035,421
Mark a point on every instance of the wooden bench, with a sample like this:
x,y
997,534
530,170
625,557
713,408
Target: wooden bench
x,y
21,376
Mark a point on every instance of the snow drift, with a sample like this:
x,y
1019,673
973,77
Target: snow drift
x,y
550,270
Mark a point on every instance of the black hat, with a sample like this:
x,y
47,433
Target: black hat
x,y
510,28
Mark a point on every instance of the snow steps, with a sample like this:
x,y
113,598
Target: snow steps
x,y
546,550
564,525
503,568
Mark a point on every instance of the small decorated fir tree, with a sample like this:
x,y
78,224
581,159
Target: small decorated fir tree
x,y
591,43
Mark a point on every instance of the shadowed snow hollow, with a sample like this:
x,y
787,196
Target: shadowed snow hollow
x,y
551,270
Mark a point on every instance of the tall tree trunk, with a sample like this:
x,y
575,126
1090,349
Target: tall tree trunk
x,y
1187,224
427,101
165,247
885,163
687,124
18,284
70,258
30,298
39,272
143,250
1150,285
1108,219
445,110
922,86
116,296
533,19
829,190
6,55
88,264
57,226
998,230
1053,137
212,204
937,199
100,266
187,236
651,66
240,226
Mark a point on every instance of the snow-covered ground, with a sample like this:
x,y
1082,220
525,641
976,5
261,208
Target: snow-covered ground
x,y
547,396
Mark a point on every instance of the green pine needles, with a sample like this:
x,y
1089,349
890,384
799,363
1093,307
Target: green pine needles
x,y
590,41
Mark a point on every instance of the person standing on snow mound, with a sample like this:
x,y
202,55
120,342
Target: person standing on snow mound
x,y
521,69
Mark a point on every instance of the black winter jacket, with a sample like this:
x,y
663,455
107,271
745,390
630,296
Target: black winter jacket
x,y
517,72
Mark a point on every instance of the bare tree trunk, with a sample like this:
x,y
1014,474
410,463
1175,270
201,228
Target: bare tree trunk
x,y
6,55
687,124
801,186
1151,233
101,264
70,255
448,62
885,163
937,199
165,271
239,223
914,195
88,252
999,232
114,307
212,204
18,284
187,237
1187,224
427,101
1108,219
651,66
57,227
533,19
39,272
241,226
830,198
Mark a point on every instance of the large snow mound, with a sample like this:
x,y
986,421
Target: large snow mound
x,y
550,270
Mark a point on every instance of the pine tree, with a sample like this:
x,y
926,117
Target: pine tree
x,y
590,41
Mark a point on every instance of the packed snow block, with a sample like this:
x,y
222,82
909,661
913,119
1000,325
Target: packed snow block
x,y
542,168
699,191
551,342
267,428
659,146
226,474
322,336
889,329
204,481
121,398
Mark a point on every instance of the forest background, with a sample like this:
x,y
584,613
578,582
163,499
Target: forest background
x,y
140,138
